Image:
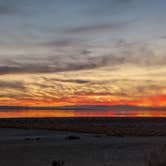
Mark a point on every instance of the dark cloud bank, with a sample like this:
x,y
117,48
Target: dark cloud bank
x,y
138,56
85,108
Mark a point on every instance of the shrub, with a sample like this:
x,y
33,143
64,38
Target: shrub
x,y
72,137
57,163
37,138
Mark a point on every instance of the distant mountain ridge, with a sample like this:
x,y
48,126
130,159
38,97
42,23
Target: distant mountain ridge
x,y
86,107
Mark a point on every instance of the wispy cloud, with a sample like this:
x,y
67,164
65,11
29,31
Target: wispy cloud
x,y
79,81
97,28
138,55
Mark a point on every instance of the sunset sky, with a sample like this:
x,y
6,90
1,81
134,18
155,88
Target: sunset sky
x,y
82,52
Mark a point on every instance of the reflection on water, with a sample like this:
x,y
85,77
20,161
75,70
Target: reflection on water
x,y
80,113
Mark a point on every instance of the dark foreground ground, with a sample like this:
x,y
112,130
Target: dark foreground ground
x,y
19,147
110,142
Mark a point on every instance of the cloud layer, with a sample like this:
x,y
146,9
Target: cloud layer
x,y
82,52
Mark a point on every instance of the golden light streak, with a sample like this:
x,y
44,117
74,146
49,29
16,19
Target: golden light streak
x,y
38,114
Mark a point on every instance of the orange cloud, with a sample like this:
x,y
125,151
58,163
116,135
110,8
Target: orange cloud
x,y
90,99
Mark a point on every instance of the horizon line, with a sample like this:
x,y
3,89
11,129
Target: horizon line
x,y
86,107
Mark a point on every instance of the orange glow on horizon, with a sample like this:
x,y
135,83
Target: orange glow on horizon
x,y
54,113
155,101
38,114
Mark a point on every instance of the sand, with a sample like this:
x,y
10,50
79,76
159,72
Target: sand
x,y
20,147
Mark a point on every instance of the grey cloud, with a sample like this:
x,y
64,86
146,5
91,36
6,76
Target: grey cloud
x,y
9,69
8,8
87,108
44,68
56,63
81,62
113,108
5,10
12,85
58,43
14,7
123,1
79,81
135,54
86,52
30,68
96,28
108,7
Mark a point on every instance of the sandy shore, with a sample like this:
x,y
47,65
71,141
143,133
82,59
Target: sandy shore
x,y
19,147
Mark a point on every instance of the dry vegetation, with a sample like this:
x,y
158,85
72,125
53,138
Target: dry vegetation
x,y
110,127
157,157
58,163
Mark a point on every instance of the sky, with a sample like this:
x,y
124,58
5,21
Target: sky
x,y
82,52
